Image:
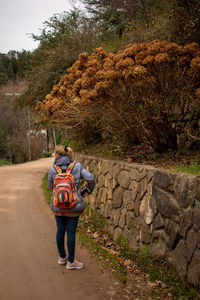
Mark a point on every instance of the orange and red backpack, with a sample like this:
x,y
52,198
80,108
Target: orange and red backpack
x,y
64,190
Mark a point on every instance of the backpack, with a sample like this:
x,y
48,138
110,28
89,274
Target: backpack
x,y
65,192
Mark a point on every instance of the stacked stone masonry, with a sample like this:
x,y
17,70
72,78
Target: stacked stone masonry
x,y
149,206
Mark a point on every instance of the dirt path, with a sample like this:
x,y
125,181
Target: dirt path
x,y
28,253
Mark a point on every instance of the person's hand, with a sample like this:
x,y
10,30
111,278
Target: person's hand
x,y
85,194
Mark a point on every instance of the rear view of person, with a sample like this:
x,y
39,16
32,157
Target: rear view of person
x,y
67,201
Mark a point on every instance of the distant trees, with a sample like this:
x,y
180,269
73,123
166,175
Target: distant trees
x,y
14,130
13,127
4,62
14,65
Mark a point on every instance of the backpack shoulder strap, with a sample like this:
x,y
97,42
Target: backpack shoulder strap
x,y
58,169
70,167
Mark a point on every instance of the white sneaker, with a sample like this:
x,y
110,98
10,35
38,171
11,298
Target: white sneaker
x,y
62,261
75,265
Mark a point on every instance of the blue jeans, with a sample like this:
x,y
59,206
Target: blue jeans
x,y
69,225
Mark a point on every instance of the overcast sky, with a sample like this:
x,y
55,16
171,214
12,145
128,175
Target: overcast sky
x,y
18,18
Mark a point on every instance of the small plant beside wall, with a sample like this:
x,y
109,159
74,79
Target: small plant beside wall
x,y
4,162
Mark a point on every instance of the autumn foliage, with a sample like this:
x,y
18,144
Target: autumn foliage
x,y
136,94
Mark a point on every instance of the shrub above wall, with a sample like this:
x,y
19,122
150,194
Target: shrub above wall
x,y
149,206
140,93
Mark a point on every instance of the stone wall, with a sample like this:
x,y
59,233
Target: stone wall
x,y
151,207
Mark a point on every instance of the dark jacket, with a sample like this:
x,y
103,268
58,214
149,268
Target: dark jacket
x,y
78,172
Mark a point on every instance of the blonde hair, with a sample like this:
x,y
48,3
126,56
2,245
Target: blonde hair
x,y
61,150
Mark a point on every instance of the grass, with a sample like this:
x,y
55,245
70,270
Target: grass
x,y
47,192
107,259
4,162
158,269
193,169
96,223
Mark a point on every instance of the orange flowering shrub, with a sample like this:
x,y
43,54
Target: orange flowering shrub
x,y
136,93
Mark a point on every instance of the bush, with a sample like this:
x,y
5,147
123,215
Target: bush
x,y
133,95
46,154
4,162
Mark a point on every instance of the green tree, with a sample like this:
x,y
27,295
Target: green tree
x,y
23,63
4,62
117,15
14,65
61,40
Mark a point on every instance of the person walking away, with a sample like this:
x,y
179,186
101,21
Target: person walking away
x,y
67,215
